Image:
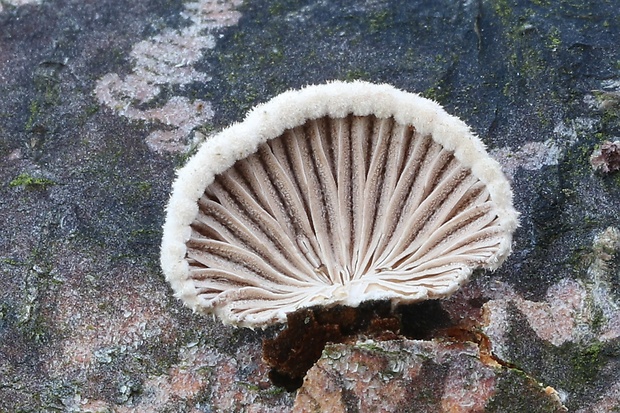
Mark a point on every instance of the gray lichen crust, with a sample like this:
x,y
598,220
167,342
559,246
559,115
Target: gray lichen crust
x,y
335,194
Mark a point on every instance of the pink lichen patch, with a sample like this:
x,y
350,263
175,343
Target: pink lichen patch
x,y
180,111
168,59
569,310
371,376
389,376
464,307
122,94
14,155
230,383
609,401
602,272
213,14
184,116
611,329
242,384
19,3
132,316
606,158
228,392
167,140
553,320
183,381
93,406
468,387
604,99
22,2
316,382
531,156
496,325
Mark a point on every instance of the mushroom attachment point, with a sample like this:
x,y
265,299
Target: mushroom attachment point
x,y
335,194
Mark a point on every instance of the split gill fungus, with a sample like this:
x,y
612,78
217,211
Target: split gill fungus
x,y
334,196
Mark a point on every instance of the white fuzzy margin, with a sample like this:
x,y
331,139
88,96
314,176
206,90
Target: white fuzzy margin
x,y
292,108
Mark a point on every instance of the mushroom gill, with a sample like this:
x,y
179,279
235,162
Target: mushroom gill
x,y
334,195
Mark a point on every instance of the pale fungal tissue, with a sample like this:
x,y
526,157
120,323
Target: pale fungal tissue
x,y
334,194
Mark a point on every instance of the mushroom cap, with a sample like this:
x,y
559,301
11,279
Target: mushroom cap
x,y
334,194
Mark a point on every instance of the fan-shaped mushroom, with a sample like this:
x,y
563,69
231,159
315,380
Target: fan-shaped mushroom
x,y
334,194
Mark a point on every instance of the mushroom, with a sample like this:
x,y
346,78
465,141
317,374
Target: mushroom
x,y
335,194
